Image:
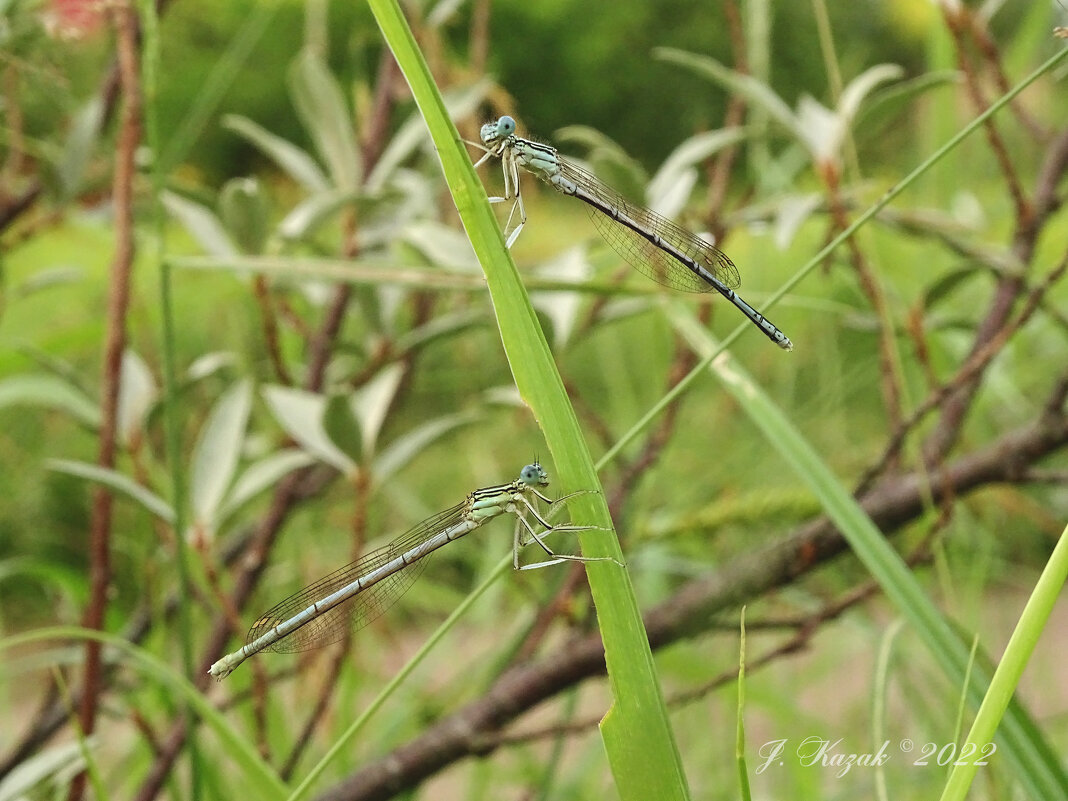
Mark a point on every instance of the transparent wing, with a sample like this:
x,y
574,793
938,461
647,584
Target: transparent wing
x,y
359,610
642,254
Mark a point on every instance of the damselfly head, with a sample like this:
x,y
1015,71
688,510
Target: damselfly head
x,y
534,475
493,133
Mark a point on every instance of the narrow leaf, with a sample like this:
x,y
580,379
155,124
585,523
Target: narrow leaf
x,y
301,415
688,154
45,773
371,404
259,477
296,163
461,103
118,482
137,394
321,106
750,88
403,449
78,149
313,211
201,223
52,392
863,85
244,211
217,452
342,426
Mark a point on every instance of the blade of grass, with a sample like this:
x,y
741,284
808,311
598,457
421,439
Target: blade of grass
x,y
218,83
172,416
636,732
1007,676
745,792
1036,766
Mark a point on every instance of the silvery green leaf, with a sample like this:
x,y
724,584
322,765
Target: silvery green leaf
x,y
822,130
753,90
78,148
444,11
47,278
260,476
623,307
201,223
861,86
691,152
562,308
460,103
441,326
506,395
607,159
966,209
400,452
209,364
410,197
674,196
39,775
408,138
372,402
116,481
296,163
217,452
889,101
342,426
313,211
244,212
137,394
442,245
599,144
791,213
300,413
51,392
321,105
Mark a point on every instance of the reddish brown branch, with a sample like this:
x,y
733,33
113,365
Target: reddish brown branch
x,y
958,401
959,23
125,24
974,366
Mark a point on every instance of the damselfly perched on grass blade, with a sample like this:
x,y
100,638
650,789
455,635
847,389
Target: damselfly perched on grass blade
x,y
350,598
652,244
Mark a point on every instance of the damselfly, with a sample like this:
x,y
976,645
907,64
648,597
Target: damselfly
x,y
651,243
350,598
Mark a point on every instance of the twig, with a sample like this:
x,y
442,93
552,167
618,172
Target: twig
x,y
959,20
122,17
976,364
269,321
944,435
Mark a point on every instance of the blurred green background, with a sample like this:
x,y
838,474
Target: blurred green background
x,y
717,489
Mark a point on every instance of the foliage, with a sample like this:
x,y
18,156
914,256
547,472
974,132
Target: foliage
x,y
331,362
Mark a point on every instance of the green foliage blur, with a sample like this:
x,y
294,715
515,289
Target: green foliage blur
x,y
555,70
718,487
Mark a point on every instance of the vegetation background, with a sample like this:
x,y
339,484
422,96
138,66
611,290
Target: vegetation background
x,y
243,337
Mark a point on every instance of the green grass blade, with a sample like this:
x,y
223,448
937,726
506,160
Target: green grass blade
x,y
745,792
638,739
1007,676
